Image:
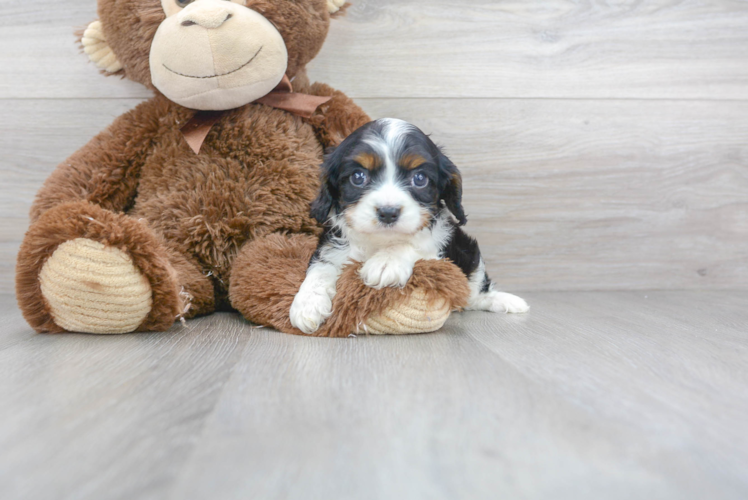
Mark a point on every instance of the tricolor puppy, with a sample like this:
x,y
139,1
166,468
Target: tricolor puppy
x,y
390,197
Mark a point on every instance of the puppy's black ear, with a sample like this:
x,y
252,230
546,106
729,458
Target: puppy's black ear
x,y
326,199
450,186
322,205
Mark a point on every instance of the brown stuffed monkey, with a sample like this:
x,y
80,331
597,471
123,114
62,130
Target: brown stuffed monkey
x,y
198,199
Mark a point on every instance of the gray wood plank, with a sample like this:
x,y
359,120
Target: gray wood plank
x,y
557,48
107,416
612,194
40,135
562,194
14,328
591,395
439,48
684,376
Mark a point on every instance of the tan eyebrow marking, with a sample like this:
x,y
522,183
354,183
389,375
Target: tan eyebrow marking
x,y
411,161
369,161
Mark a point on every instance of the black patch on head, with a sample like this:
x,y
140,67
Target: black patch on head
x,y
417,144
336,191
445,181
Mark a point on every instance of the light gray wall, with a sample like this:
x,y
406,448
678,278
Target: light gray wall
x,y
602,146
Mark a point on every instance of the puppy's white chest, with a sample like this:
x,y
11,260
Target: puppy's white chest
x,y
390,263
423,245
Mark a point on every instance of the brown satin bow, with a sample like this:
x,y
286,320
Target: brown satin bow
x,y
282,97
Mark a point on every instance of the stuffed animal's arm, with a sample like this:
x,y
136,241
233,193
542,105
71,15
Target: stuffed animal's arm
x,y
105,171
336,119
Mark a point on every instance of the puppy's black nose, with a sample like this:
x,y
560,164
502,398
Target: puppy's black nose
x,y
388,215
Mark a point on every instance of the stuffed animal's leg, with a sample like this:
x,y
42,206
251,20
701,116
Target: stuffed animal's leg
x,y
196,290
85,269
268,272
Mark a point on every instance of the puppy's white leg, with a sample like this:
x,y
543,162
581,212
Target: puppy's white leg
x,y
484,298
313,303
390,266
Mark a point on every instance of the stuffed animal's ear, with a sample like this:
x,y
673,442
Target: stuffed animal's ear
x,y
336,7
95,46
451,188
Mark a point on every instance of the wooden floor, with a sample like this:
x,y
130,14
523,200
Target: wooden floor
x,y
589,396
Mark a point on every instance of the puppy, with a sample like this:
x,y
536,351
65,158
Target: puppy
x,y
390,197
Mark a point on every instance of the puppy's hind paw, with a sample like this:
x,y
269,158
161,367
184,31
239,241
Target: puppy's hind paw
x,y
507,303
498,302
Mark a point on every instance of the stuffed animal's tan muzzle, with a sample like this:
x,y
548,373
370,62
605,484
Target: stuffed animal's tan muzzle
x,y
216,55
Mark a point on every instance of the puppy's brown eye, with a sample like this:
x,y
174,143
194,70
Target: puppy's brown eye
x,y
419,180
183,3
359,178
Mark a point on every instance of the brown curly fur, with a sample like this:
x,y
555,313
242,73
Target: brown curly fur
x,y
183,218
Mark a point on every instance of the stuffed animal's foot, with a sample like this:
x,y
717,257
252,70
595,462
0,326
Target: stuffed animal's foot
x,y
84,269
91,288
498,302
334,5
434,290
417,313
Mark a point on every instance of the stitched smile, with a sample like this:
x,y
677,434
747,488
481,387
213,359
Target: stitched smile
x,y
216,76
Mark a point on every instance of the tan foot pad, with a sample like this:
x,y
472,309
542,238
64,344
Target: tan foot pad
x,y
418,315
334,5
92,288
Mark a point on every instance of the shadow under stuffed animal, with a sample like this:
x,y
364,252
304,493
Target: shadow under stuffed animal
x,y
198,199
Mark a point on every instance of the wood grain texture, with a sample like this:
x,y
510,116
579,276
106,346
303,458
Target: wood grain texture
x,y
557,48
38,135
113,416
566,187
599,194
441,48
562,194
590,395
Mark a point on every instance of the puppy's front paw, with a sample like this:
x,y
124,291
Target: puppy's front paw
x,y
507,303
386,269
310,309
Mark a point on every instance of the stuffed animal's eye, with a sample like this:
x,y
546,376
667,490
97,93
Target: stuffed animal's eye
x,y
419,180
183,3
359,178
